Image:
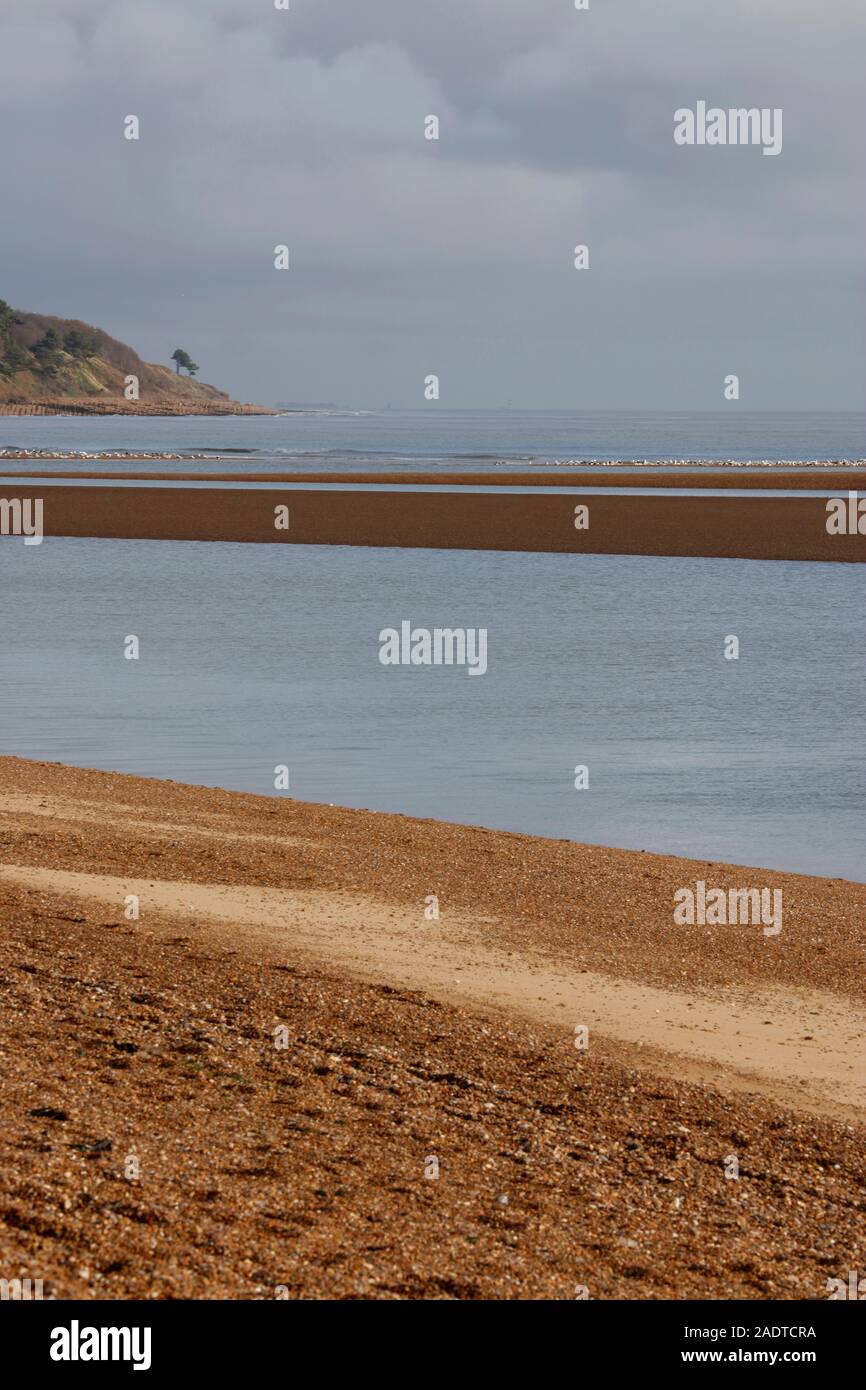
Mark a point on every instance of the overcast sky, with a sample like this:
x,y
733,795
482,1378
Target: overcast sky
x,y
455,256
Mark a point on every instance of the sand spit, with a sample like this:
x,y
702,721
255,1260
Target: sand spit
x,y
409,1040
775,528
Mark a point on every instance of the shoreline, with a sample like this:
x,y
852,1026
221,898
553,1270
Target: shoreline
x,y
408,1037
101,408
782,528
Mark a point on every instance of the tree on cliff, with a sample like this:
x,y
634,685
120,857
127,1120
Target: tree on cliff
x,y
8,317
12,355
183,359
79,344
47,351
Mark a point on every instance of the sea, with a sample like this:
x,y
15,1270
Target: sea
x,y
412,440
254,657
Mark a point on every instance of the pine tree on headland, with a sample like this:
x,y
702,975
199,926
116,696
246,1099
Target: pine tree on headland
x,y
79,344
47,351
181,358
8,318
12,356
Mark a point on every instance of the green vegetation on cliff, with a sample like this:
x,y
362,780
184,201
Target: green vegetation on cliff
x,y
46,359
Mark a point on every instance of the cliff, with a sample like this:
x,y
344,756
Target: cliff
x,y
51,365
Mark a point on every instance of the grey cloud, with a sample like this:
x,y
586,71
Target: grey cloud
x,y
260,127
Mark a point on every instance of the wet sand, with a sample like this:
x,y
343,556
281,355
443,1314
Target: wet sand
x,y
775,528
409,1039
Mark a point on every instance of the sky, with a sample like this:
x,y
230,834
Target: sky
x,y
455,257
